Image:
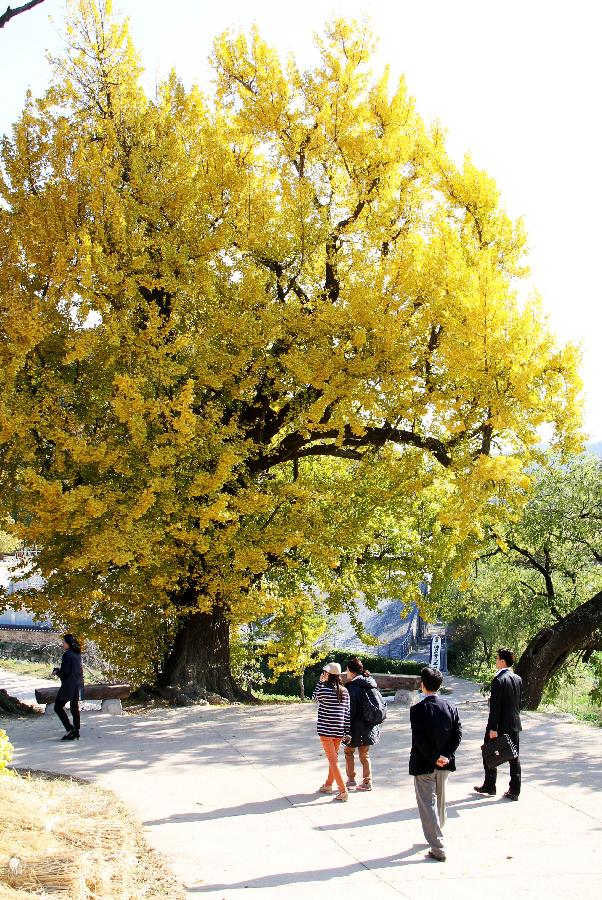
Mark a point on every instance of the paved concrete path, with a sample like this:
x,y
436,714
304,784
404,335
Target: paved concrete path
x,y
22,687
228,795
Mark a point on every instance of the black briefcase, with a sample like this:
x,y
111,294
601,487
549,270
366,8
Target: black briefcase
x,y
498,751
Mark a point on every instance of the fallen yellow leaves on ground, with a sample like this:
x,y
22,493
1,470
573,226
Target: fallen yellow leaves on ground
x,y
66,838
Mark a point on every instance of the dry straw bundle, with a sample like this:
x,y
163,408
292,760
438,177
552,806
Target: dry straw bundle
x,y
62,838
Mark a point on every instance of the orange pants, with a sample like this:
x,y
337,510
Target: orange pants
x,y
364,754
331,749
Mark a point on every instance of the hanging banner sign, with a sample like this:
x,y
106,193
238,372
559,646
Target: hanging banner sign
x,y
435,651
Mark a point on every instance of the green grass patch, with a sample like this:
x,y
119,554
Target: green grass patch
x,y
575,698
266,698
25,667
43,669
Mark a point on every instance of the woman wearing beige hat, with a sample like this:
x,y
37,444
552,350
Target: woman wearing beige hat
x,y
333,724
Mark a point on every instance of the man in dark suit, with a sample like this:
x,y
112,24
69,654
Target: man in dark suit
x,y
504,718
436,735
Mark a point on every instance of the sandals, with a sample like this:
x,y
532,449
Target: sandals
x,y
342,796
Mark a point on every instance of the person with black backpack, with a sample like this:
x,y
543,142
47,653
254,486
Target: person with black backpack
x,y
368,711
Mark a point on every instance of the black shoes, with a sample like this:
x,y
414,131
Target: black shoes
x,y
484,790
439,855
72,735
509,795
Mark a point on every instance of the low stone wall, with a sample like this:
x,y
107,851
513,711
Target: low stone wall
x,y
31,638
31,646
42,647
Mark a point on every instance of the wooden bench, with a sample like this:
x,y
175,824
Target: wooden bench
x,y
110,694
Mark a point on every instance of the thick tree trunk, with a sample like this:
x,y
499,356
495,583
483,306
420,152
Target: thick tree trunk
x,y
199,661
548,651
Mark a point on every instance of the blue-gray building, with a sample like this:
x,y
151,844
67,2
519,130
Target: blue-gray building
x,y
13,579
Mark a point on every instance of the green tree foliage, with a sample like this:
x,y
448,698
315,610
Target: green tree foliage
x,y
8,542
538,585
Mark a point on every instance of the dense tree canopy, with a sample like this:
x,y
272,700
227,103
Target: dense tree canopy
x,y
253,343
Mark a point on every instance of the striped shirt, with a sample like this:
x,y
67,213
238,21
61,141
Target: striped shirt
x,y
333,714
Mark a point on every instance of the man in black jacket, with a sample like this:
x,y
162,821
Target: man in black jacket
x,y
436,735
504,718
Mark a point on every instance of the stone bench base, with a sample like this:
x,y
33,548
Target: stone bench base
x,y
111,706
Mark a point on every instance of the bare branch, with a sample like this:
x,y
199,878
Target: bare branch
x,y
11,13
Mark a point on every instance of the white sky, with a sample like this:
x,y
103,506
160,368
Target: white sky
x,y
515,82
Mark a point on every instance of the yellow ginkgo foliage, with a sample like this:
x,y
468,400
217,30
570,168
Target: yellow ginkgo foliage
x,y
254,344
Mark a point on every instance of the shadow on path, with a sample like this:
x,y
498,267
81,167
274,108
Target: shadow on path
x,y
297,801
281,879
454,808
553,754
258,808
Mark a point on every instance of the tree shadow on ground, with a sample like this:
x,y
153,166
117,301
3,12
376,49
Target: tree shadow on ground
x,y
272,739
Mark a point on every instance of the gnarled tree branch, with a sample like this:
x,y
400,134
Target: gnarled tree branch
x,y
297,445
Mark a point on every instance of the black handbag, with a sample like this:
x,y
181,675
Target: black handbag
x,y
501,750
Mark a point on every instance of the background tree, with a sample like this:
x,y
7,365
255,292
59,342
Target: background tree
x,y
539,587
246,659
294,632
265,339
8,542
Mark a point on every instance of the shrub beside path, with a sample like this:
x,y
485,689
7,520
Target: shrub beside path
x,y
228,796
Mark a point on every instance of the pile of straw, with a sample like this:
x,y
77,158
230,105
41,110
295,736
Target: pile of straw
x,y
65,839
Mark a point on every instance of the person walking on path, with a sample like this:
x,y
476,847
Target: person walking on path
x,y
363,734
436,735
504,718
72,685
333,724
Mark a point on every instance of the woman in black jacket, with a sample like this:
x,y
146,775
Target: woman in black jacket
x,y
72,686
363,735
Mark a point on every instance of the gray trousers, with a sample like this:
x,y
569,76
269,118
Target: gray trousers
x,y
430,796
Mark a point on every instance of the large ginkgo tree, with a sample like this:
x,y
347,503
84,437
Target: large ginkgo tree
x,y
253,344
